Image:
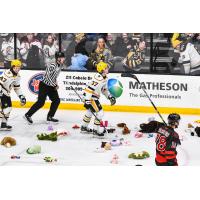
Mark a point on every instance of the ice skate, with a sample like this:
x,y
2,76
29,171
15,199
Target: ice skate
x,y
98,134
86,130
28,119
52,120
5,127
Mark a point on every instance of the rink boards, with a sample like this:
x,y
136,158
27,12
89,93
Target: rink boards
x,y
169,93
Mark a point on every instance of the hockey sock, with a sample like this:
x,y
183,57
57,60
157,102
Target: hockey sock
x,y
86,121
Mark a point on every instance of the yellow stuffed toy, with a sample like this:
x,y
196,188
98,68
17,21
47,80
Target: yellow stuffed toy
x,y
8,141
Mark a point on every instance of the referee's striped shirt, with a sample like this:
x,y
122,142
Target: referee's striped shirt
x,y
51,74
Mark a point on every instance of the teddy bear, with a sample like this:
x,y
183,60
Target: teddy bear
x,y
8,141
126,130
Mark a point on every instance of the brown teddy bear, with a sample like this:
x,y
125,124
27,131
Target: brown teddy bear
x,y
126,130
121,125
8,141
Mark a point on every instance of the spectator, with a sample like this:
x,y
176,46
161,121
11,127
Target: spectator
x,y
110,42
136,36
50,48
123,45
31,51
78,62
189,57
77,46
101,53
7,48
136,56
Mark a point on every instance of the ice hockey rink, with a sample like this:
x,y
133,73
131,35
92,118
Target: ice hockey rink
x,y
78,149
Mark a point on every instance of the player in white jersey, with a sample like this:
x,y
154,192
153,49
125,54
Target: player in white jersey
x,y
189,57
9,79
92,94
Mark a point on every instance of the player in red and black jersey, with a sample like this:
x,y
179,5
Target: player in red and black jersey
x,y
166,140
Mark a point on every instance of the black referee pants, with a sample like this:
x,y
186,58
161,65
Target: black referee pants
x,y
44,91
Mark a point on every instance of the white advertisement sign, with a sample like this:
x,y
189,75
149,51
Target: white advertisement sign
x,y
164,90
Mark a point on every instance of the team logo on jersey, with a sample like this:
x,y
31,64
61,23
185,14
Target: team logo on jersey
x,y
33,84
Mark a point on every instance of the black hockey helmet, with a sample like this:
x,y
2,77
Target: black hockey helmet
x,y
173,119
59,54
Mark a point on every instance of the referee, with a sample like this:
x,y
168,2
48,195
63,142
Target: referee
x,y
48,87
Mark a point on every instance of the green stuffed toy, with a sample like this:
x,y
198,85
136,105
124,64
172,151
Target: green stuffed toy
x,y
141,155
50,159
34,149
52,136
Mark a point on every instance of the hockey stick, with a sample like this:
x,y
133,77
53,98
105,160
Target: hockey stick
x,y
135,77
90,109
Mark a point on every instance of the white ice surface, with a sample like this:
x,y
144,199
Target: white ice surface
x,y
79,149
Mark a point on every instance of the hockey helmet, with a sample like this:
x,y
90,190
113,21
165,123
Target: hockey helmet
x,y
101,66
173,119
59,54
16,63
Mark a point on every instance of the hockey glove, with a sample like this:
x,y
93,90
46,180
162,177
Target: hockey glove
x,y
22,100
112,100
88,104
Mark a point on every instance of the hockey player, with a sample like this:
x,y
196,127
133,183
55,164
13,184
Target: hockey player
x,y
189,56
9,79
166,140
91,95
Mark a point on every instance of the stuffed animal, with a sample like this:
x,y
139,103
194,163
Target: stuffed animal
x,y
52,136
34,149
50,159
76,126
126,130
140,155
115,159
8,141
121,125
106,145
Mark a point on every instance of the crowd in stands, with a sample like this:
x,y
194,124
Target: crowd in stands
x,y
83,50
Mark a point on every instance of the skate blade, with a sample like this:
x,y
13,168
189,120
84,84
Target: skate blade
x,y
5,129
99,137
50,122
27,120
86,133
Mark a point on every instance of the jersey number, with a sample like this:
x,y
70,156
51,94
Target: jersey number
x,y
160,142
94,83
